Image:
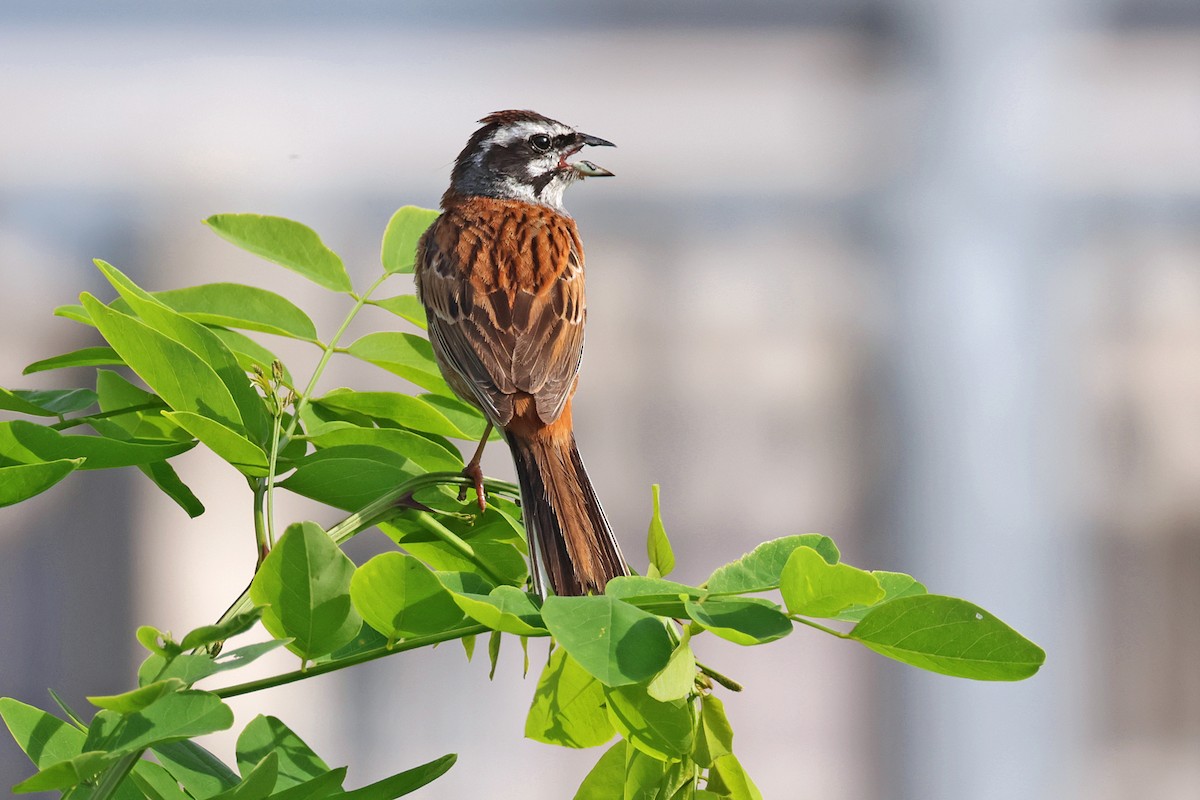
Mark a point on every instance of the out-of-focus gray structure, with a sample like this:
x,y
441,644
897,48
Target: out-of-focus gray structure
x,y
922,276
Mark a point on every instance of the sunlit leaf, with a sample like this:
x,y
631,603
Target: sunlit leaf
x,y
265,735
404,229
895,584
27,442
305,585
22,481
287,243
759,570
950,636
405,306
403,354
243,454
658,546
399,597
568,706
813,587
662,730
233,305
617,643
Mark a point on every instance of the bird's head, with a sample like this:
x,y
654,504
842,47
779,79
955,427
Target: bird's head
x,y
521,155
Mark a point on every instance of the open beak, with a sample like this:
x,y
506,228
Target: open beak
x,y
586,169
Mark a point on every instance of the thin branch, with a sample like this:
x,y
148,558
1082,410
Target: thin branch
x,y
818,626
360,658
116,412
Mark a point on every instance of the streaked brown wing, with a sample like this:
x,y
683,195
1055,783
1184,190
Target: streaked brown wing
x,y
504,323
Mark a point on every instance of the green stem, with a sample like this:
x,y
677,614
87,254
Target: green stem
x,y
260,529
818,626
429,523
726,681
360,658
382,509
271,469
116,412
329,350
111,780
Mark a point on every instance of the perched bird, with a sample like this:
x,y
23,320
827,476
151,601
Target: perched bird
x,y
500,274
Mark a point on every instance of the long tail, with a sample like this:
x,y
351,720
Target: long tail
x,y
565,524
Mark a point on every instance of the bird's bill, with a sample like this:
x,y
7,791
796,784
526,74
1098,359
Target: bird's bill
x,y
586,169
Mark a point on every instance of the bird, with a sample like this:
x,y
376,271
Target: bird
x,y
500,273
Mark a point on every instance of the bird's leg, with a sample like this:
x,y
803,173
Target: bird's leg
x,y
472,471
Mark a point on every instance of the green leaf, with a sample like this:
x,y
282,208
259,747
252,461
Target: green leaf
x,y
265,735
43,737
405,782
156,783
617,643
895,584
201,773
426,454
729,779
759,570
661,730
492,545
950,636
180,377
463,416
200,341
814,588
677,679
249,353
405,306
403,354
137,699
658,596
658,547
210,634
493,652
328,784
256,784
399,597
645,776
172,717
606,780
22,481
47,402
350,476
233,305
305,584
241,453
12,401
504,608
714,734
85,357
193,667
65,774
74,313
741,620
27,442
568,706
402,409
115,394
165,477
286,243
400,239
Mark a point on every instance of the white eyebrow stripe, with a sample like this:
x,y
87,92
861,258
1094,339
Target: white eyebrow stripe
x,y
522,130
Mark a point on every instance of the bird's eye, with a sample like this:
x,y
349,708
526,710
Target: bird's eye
x,y
540,142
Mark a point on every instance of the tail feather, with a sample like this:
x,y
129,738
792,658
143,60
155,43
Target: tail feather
x,y
569,536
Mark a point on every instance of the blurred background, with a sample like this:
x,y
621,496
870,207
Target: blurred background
x,y
923,276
